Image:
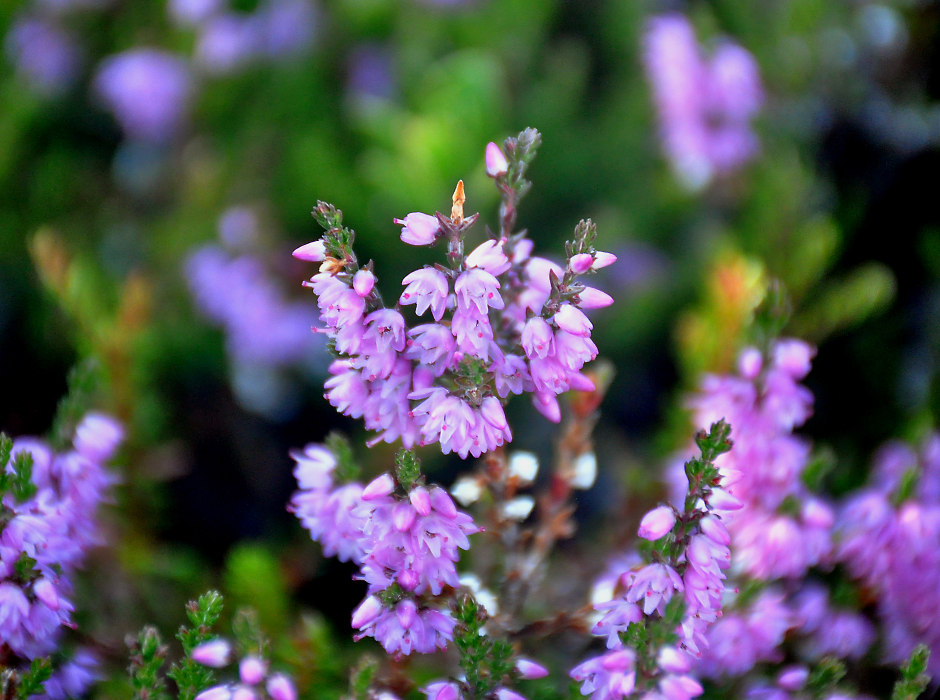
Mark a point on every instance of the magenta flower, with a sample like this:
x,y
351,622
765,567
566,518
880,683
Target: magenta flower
x,y
654,585
478,290
496,163
608,677
419,229
427,288
489,256
657,523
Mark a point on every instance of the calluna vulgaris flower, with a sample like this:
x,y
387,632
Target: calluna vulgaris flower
x,y
705,105
493,326
54,528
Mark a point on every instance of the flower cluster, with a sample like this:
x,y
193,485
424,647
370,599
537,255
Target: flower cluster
x,y
681,589
255,681
47,524
501,322
889,539
705,106
779,528
407,548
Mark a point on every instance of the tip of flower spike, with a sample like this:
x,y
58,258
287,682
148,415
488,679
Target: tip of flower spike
x,y
311,252
456,212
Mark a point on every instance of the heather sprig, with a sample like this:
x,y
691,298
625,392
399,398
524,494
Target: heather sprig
x,y
190,676
148,656
654,633
504,323
914,679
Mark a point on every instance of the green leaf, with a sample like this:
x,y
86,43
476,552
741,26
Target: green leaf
x,y
32,680
914,678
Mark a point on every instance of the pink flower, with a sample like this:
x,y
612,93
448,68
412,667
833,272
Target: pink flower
x,y
590,298
427,288
489,256
654,584
537,338
215,653
311,252
478,289
608,677
571,319
432,346
387,328
419,229
363,282
657,523
496,163
580,263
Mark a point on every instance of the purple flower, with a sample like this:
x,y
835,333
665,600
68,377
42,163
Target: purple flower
x,y
148,92
228,42
608,677
705,107
496,163
215,653
427,288
657,523
192,13
654,585
406,628
489,256
477,290
419,229
43,53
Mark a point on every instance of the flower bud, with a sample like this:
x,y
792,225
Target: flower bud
x,y
657,523
581,263
467,490
251,670
368,610
46,593
380,486
216,692
403,516
214,653
280,688
602,259
585,471
496,163
750,363
524,466
311,252
793,678
421,500
530,670
591,298
418,228
363,282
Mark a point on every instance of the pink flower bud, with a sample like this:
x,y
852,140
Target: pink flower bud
x,y
368,610
618,660
409,579
214,653
421,500
243,693
602,259
722,500
672,660
251,670
715,530
407,613
750,363
591,298
507,694
363,282
46,593
403,516
98,436
581,263
657,523
442,503
547,405
492,411
311,252
793,678
418,228
216,692
442,691
530,670
377,488
496,163
280,688
573,320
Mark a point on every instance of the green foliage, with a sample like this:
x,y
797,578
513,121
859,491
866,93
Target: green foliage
x,y
347,469
827,674
20,481
191,677
83,380
148,655
361,676
914,679
253,577
485,661
407,469
32,680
